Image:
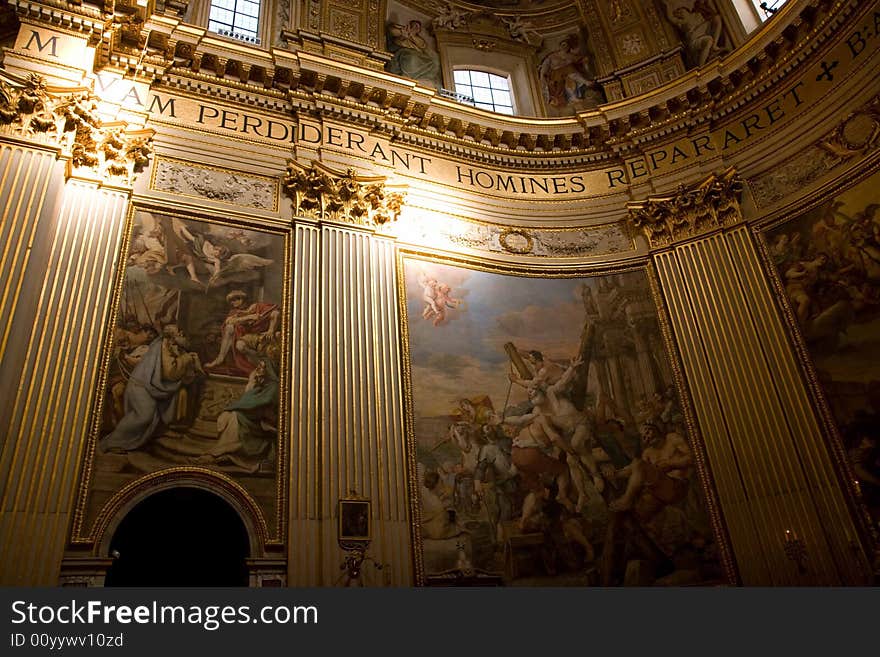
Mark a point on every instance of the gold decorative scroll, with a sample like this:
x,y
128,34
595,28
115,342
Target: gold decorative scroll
x,y
318,192
712,204
68,118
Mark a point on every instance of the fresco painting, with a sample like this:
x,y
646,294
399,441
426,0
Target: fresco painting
x,y
699,24
551,446
413,48
194,372
567,76
828,259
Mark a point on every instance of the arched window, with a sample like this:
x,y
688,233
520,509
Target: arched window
x,y
766,8
239,19
484,90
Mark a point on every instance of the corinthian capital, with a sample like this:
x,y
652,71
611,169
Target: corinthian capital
x,y
68,119
318,192
688,212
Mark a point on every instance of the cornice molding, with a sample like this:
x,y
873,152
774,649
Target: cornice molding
x,y
187,57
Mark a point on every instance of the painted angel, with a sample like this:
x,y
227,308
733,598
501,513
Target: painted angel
x,y
438,299
238,267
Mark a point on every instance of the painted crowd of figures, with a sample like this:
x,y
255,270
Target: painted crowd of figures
x,y
829,262
568,483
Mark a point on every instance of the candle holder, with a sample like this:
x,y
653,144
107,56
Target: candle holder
x,y
796,550
352,567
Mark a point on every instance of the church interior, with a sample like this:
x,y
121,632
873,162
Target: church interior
x,y
395,293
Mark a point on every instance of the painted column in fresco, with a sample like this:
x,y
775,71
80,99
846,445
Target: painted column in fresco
x,y
786,515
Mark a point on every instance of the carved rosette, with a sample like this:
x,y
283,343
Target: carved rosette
x,y
318,192
713,204
69,119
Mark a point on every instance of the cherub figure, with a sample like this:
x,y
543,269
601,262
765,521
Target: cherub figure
x,y
450,18
523,31
437,298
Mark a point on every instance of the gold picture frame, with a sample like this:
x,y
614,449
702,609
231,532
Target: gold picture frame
x,y
355,524
703,475
269,524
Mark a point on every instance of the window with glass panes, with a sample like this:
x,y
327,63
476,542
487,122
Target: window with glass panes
x,y
486,90
239,19
766,8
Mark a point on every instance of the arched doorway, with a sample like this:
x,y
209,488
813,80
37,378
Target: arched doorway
x,y
180,537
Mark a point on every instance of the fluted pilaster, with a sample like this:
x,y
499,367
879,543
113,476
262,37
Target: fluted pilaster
x,y
771,466
347,402
74,260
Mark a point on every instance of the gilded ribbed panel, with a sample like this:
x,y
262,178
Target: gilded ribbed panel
x,y
812,450
733,499
389,460
361,399
47,432
304,539
713,301
25,175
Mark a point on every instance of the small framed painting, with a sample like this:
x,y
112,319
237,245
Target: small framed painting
x,y
354,520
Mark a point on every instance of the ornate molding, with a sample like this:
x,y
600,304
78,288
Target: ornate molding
x,y
452,233
712,204
318,192
215,184
68,119
856,136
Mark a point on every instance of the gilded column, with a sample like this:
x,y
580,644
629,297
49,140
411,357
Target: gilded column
x,y
29,184
49,422
304,540
60,265
348,394
785,511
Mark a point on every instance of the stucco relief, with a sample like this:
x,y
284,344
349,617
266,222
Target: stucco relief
x,y
857,135
215,184
796,174
543,243
282,15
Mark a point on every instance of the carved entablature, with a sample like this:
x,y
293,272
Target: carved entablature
x,y
68,119
318,192
713,204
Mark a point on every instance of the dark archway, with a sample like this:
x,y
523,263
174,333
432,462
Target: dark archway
x,y
180,537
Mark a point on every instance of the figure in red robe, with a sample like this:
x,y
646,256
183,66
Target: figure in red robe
x,y
247,333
